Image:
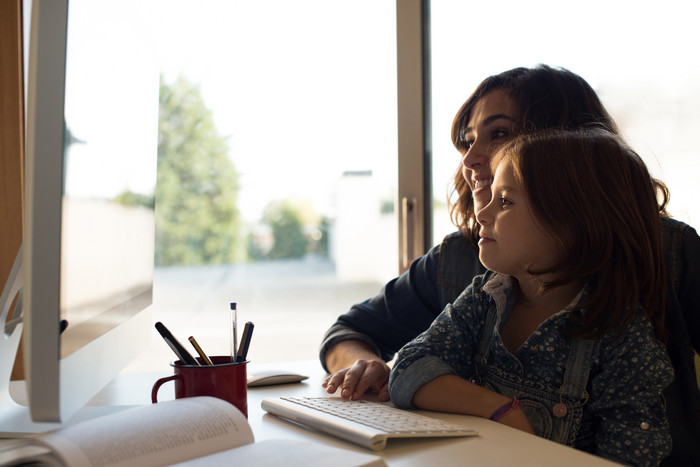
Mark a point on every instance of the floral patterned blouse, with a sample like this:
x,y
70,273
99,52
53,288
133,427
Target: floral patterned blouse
x,y
624,418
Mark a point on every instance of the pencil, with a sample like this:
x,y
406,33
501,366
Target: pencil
x,y
200,351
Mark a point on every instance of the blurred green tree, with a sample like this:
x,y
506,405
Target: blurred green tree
x,y
285,219
197,221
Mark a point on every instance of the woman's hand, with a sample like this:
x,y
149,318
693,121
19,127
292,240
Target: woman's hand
x,y
363,376
356,369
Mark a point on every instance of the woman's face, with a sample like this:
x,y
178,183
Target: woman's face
x,y
492,122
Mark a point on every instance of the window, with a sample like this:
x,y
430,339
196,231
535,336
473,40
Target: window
x,y
633,54
303,94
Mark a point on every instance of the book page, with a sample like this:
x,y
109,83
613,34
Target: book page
x,y
21,452
153,435
288,453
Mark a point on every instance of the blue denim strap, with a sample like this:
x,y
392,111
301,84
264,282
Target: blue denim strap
x,y
482,353
578,367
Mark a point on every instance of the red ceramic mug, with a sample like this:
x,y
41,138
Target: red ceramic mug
x,y
223,379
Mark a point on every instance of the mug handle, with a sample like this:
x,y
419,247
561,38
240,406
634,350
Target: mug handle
x,y
157,385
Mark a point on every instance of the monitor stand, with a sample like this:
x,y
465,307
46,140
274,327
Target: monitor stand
x,y
16,421
15,417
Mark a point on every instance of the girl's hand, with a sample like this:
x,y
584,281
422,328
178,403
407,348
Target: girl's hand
x,y
517,419
363,376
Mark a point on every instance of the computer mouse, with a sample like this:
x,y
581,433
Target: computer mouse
x,y
270,377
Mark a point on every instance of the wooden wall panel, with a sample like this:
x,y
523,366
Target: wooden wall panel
x,y
11,138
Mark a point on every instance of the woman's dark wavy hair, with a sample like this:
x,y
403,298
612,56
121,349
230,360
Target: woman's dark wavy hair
x,y
596,198
545,97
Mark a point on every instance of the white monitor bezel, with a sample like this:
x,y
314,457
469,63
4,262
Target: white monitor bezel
x,y
57,388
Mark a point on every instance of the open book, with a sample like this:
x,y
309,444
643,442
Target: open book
x,y
196,431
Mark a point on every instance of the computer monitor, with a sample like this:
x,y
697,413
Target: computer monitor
x,y
90,172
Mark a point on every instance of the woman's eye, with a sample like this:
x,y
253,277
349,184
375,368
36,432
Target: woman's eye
x,y
466,143
498,134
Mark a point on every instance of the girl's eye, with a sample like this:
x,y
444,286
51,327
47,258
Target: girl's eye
x,y
503,202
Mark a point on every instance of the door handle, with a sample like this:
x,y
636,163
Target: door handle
x,y
408,214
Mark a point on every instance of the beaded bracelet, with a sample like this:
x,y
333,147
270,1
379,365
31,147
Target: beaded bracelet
x,y
503,410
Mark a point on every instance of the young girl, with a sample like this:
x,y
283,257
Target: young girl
x,y
562,339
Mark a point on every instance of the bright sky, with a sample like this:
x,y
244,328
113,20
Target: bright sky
x,y
301,100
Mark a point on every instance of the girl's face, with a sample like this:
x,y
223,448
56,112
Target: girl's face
x,y
492,122
512,240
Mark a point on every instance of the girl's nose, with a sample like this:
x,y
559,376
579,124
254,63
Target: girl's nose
x,y
483,216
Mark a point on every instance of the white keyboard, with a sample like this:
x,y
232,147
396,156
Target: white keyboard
x,y
368,424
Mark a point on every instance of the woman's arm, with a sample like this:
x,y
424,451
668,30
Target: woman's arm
x,y
345,353
689,293
404,308
355,347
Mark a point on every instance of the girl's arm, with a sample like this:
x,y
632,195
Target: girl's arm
x,y
450,393
355,348
432,372
447,347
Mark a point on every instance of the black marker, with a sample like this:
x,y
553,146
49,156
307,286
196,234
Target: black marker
x,y
245,342
179,350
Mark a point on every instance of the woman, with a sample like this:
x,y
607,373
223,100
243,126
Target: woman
x,y
356,347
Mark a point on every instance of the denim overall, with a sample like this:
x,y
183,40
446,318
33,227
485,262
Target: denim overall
x,y
554,413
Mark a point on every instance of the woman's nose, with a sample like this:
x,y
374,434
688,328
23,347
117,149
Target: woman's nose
x,y
476,155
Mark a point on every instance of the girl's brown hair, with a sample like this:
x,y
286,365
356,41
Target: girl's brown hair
x,y
545,97
596,198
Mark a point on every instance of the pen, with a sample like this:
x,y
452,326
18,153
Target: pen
x,y
234,331
179,350
199,350
245,342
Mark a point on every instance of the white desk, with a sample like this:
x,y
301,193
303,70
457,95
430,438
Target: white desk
x,y
496,445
